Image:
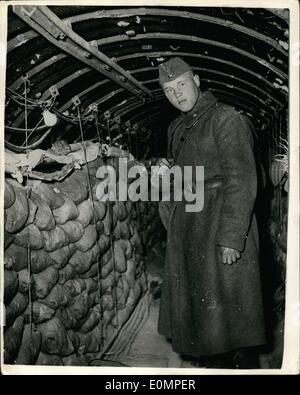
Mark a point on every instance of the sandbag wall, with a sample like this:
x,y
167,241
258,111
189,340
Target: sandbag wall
x,y
74,271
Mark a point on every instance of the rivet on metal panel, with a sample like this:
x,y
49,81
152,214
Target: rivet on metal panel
x,y
94,44
76,101
107,115
106,67
53,90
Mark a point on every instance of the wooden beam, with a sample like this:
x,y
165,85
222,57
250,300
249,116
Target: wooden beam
x,y
45,22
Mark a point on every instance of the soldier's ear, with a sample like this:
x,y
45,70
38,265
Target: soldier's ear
x,y
197,80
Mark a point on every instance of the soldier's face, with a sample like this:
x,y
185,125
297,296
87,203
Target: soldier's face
x,y
183,92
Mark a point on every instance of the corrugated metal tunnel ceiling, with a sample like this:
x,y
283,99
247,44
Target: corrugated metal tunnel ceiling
x,y
108,57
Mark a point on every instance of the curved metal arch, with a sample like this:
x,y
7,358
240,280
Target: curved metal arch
x,y
81,94
48,62
131,105
52,60
214,82
157,54
184,37
121,13
37,69
21,39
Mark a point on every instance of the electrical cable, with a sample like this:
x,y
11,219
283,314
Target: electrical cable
x,y
21,149
28,245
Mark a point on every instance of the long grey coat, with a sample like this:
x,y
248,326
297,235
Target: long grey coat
x,y
209,308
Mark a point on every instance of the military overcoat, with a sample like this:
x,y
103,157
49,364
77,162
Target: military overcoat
x,y
207,307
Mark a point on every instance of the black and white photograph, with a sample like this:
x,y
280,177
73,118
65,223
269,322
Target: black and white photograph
x,y
150,187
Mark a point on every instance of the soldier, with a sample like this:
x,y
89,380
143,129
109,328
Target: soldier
x,y
211,303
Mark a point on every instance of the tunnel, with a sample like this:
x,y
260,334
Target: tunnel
x,y
83,278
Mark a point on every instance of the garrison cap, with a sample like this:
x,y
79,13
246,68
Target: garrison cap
x,y
171,69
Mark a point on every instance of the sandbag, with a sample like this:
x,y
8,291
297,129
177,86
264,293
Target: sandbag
x,y
108,224
126,247
117,232
32,210
86,214
121,298
44,219
100,228
66,212
125,288
65,318
49,360
46,192
17,214
55,339
120,210
31,236
39,313
136,241
108,314
75,186
74,230
16,307
30,347
91,341
100,210
9,238
92,319
119,254
13,340
107,269
16,257
24,280
130,272
66,273
61,256
82,261
92,272
104,243
107,302
11,283
88,239
74,338
9,195
134,295
106,257
129,206
79,307
91,285
124,230
76,286
54,239
109,282
40,260
45,281
58,296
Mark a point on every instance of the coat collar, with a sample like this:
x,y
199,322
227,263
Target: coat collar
x,y
205,101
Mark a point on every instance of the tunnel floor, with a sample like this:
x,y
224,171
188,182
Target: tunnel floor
x,y
149,348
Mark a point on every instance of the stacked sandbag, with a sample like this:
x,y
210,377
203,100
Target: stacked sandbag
x,y
78,260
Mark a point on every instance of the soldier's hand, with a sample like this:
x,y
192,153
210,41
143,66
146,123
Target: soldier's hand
x,y
228,255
